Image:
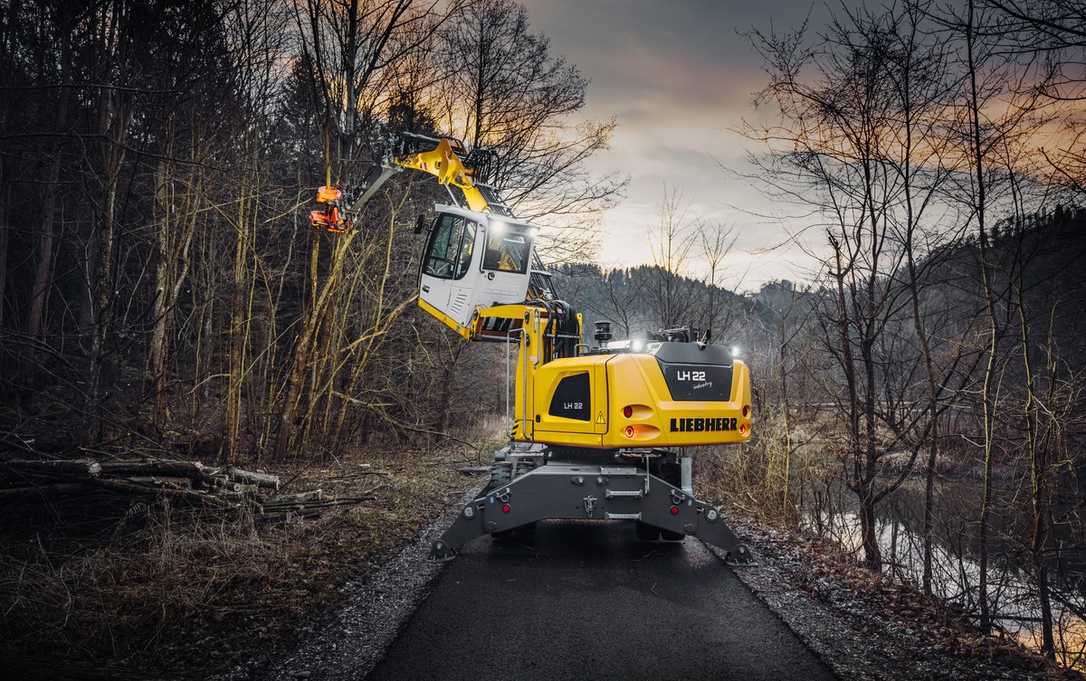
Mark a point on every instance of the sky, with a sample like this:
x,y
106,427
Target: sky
x,y
679,80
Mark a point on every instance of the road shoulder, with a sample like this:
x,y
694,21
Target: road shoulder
x,y
348,640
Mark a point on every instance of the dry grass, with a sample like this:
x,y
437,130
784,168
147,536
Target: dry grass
x,y
162,590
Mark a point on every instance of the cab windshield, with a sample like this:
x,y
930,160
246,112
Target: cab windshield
x,y
507,250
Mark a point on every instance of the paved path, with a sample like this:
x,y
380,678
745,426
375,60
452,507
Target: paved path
x,y
589,601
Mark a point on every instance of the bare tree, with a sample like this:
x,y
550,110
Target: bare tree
x,y
717,241
672,243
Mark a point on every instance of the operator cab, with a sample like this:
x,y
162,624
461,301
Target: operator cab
x,y
474,260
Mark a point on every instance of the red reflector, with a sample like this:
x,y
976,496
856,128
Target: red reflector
x,y
629,432
627,411
674,510
506,508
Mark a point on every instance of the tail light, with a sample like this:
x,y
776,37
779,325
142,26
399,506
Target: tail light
x,y
638,412
641,431
746,411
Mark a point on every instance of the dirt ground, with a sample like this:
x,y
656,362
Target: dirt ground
x,y
158,592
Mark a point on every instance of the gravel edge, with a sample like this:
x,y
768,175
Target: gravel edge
x,y
348,641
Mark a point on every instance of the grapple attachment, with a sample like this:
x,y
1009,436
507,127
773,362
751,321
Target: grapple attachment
x,y
331,215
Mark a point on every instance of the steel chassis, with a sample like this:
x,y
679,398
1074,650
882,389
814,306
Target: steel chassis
x,y
592,491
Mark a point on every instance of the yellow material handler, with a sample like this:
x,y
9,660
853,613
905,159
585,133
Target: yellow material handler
x,y
599,431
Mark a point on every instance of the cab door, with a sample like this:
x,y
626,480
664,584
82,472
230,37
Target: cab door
x,y
446,280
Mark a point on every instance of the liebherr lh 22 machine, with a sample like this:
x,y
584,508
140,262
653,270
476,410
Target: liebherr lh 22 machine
x,y
599,432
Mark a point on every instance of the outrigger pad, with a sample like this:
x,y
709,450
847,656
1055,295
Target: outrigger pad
x,y
740,557
439,550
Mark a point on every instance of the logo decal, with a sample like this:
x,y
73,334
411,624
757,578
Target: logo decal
x,y
702,425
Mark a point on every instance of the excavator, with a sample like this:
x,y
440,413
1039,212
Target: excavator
x,y
599,432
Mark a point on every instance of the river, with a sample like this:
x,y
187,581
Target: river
x,y
955,570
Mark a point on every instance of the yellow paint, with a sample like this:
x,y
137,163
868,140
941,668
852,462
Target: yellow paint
x,y
615,381
445,319
443,163
637,380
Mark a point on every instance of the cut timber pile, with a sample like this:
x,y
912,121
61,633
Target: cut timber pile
x,y
190,482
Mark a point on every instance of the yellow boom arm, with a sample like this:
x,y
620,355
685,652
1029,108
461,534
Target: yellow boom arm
x,y
334,212
443,162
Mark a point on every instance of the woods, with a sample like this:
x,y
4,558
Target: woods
x,y
160,283
920,136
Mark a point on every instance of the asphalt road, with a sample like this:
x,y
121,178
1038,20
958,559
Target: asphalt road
x,y
588,601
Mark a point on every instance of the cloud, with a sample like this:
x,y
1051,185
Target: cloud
x,y
678,78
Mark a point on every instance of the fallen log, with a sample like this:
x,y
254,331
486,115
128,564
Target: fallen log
x,y
223,482
75,468
287,517
189,482
301,497
193,470
328,503
157,481
249,477
130,488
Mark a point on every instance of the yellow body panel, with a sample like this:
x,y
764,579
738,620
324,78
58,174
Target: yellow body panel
x,y
445,319
635,380
616,381
573,432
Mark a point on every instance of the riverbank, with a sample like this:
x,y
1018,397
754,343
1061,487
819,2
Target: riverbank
x,y
868,628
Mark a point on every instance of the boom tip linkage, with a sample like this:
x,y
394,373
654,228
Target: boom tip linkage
x,y
446,158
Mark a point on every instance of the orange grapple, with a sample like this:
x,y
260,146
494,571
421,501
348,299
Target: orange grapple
x,y
331,215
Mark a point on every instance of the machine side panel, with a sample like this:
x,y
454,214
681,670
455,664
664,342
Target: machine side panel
x,y
570,401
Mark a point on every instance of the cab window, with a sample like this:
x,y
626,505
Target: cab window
x,y
452,242
507,251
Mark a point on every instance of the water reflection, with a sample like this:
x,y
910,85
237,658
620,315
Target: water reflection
x,y
955,570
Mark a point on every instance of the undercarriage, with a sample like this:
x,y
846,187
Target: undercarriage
x,y
530,483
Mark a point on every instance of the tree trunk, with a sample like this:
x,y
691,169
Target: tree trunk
x,y
868,532
239,324
5,230
114,117
980,207
43,272
782,345
301,357
1038,475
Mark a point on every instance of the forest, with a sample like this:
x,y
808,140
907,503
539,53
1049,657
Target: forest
x,y
919,392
